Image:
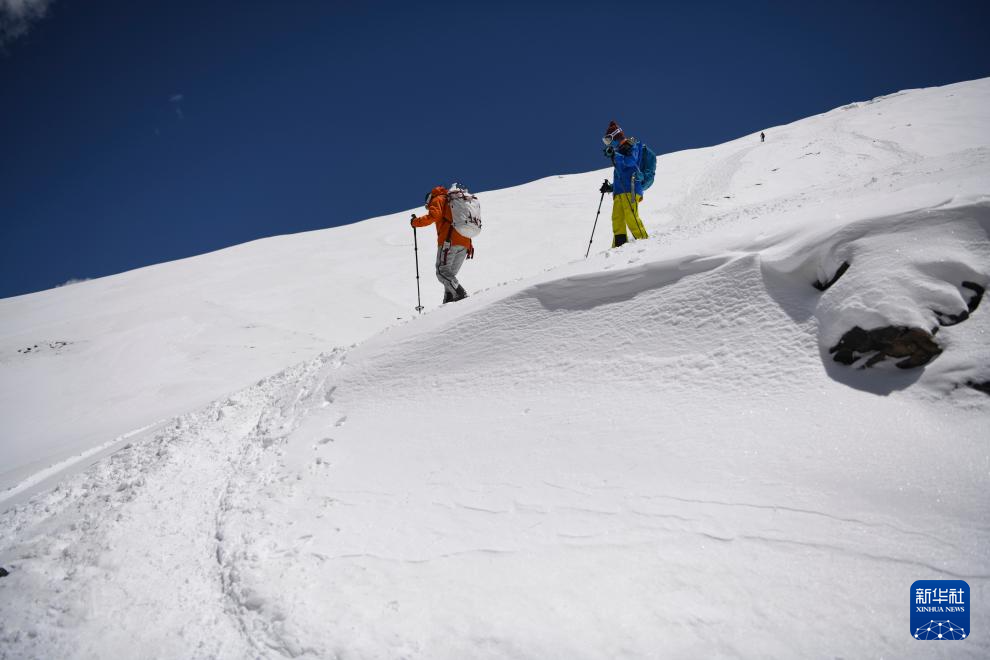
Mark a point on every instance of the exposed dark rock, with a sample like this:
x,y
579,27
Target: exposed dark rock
x,y
855,341
821,286
982,387
971,305
3,572
56,346
974,302
951,319
914,347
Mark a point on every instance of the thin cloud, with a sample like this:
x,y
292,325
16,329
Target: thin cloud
x,y
177,100
17,17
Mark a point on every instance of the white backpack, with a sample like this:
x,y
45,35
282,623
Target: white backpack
x,y
465,209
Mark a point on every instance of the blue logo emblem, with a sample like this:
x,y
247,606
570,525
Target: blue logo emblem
x,y
940,610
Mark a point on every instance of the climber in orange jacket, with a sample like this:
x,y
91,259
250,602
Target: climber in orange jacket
x,y
452,248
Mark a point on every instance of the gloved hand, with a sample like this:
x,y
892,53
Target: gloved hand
x,y
606,187
413,220
639,177
470,252
609,151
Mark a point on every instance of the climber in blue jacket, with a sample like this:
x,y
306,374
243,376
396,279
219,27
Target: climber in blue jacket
x,y
626,177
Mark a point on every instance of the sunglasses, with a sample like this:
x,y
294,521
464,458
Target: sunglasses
x,y
610,137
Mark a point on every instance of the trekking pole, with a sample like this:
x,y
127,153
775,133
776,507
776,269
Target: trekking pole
x,y
419,302
596,223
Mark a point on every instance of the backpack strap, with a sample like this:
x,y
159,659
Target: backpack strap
x,y
450,231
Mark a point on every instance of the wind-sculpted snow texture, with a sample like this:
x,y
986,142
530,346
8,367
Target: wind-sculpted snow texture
x,y
649,453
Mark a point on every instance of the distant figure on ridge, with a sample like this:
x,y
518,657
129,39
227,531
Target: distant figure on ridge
x,y
455,212
635,167
763,138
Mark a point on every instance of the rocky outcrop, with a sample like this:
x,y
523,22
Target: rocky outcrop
x,y
945,318
821,286
912,347
981,387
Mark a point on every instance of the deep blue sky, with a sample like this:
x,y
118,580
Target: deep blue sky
x,y
138,132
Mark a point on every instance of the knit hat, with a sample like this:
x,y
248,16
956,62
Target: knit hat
x,y
436,192
613,132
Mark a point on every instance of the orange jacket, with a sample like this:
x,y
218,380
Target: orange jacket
x,y
438,211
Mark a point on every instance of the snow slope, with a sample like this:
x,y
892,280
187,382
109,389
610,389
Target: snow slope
x,y
648,453
84,364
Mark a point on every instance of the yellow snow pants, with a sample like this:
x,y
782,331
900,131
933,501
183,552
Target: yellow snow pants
x,y
625,213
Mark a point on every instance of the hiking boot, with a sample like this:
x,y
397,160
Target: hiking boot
x,y
461,293
620,239
447,297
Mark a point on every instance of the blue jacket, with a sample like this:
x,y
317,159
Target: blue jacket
x,y
625,168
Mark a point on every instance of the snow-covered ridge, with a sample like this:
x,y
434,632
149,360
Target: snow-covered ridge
x,y
158,341
648,451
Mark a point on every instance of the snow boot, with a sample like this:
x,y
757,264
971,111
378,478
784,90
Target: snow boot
x,y
447,297
620,239
461,293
